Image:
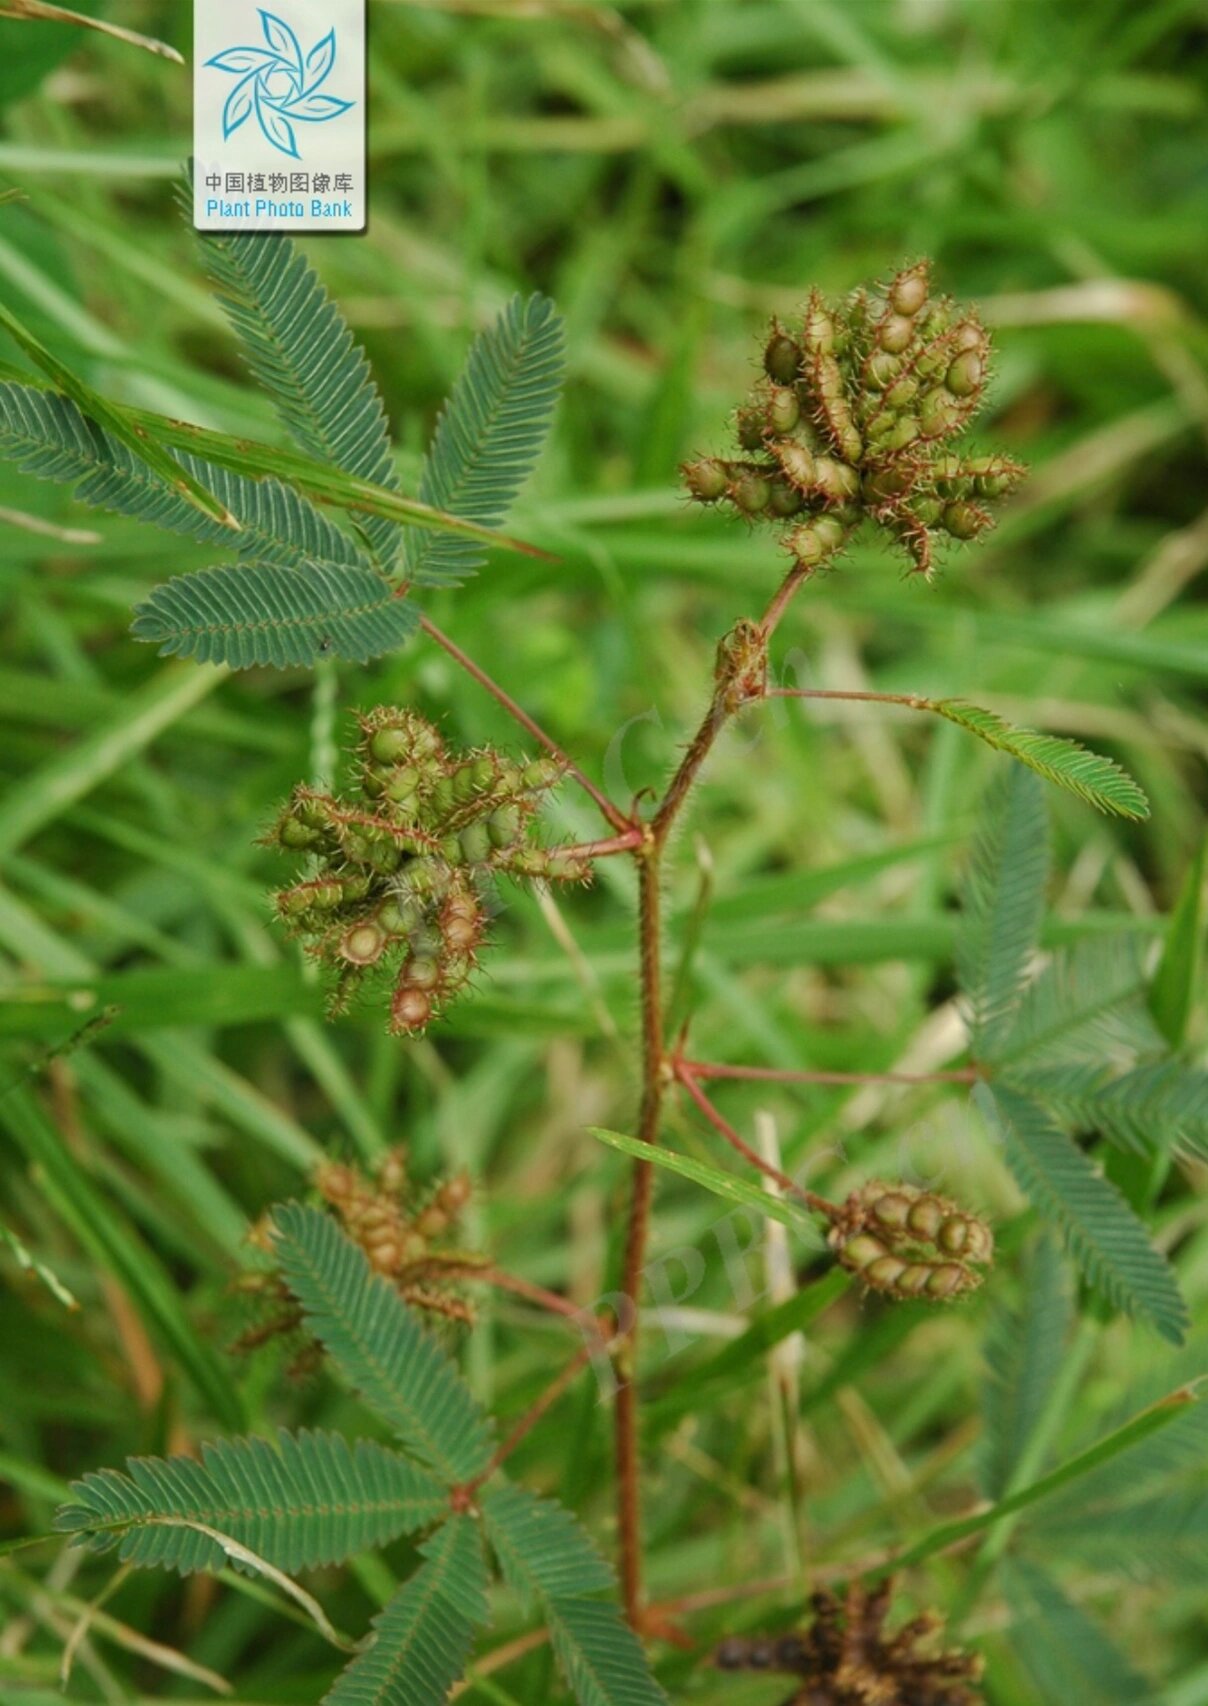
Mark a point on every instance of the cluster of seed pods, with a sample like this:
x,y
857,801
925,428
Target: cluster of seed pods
x,y
403,865
403,1230
910,1243
848,1657
854,419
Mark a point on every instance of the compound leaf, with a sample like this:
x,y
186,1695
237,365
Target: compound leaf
x,y
309,1500
541,1548
260,614
489,435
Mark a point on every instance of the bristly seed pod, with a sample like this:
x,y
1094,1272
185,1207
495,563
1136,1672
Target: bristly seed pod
x,y
875,392
400,861
909,1243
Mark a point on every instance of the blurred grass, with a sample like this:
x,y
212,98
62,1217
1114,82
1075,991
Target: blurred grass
x,y
671,171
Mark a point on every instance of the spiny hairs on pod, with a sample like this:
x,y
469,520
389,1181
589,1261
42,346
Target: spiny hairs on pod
x,y
910,1243
847,1657
402,864
856,418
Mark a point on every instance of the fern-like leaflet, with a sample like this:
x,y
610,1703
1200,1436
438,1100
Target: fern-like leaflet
x,y
490,434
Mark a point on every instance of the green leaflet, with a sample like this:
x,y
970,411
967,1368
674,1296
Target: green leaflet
x,y
1103,1234
309,1500
259,614
1064,1651
541,1548
1097,780
600,1655
423,1637
1086,1006
545,1555
1003,907
1025,1349
303,353
47,435
490,434
379,1346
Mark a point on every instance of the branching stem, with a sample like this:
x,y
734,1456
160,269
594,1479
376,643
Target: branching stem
x,y
614,815
817,1204
699,1069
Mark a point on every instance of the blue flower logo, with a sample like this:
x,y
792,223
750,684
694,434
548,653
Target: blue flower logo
x,y
279,84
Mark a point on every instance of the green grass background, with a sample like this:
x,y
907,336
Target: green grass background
x,y
672,172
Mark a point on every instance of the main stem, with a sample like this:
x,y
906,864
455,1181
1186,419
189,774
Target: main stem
x,y
743,682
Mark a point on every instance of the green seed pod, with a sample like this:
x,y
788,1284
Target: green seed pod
x,y
885,1274
895,333
402,784
385,856
465,783
503,827
786,500
294,834
964,521
441,800
926,1217
390,745
819,327
968,335
938,413
883,485
903,392
783,411
913,1280
422,974
398,917
835,480
816,540
964,376
904,431
750,428
797,463
707,479
892,1210
363,945
947,1280
782,358
751,493
541,773
567,868
861,1251
908,292
927,510
881,369
953,1235
475,842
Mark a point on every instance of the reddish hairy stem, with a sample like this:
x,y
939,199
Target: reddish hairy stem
x,y
912,701
612,813
526,1424
543,1299
819,1205
628,1466
654,1081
